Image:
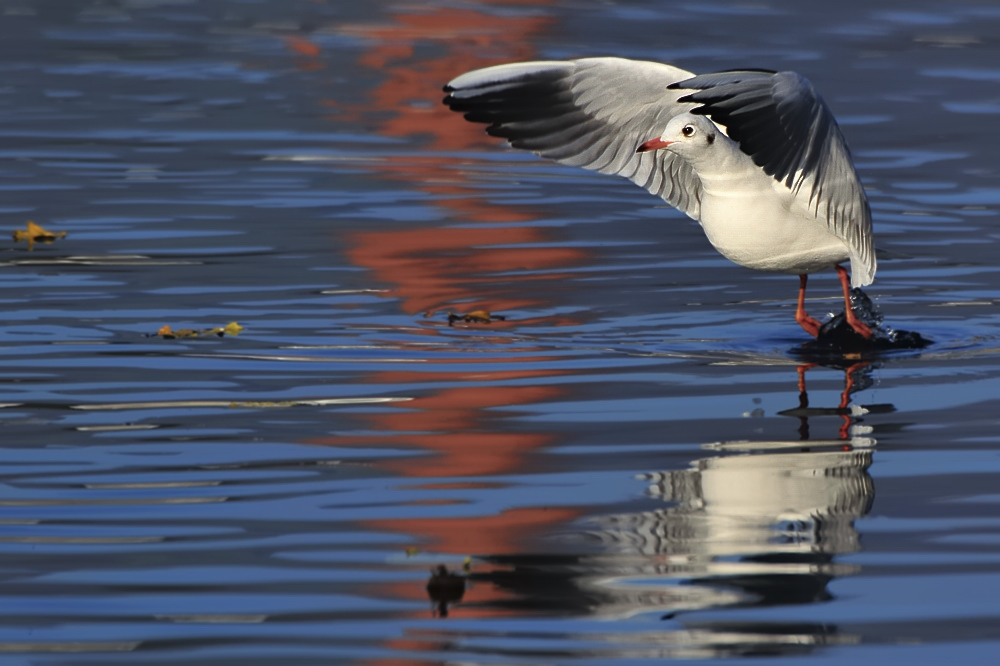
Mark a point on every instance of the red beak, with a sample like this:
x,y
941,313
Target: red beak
x,y
653,144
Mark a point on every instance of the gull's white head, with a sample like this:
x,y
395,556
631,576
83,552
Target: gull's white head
x,y
687,135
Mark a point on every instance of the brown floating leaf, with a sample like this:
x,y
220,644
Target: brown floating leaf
x,y
475,317
35,233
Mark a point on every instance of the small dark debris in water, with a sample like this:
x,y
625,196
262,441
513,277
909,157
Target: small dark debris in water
x,y
443,588
836,336
475,317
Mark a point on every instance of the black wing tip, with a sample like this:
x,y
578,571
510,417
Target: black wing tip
x,y
499,131
698,110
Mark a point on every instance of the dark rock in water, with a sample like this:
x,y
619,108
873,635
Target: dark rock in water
x,y
836,336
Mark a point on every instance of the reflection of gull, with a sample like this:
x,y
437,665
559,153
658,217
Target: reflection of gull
x,y
766,503
751,528
769,177
748,524
760,522
751,505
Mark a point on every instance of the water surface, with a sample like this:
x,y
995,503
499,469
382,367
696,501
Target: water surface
x,y
634,465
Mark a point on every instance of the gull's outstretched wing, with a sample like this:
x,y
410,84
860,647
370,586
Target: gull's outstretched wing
x,y
590,113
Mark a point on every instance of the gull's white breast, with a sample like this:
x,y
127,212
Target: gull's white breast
x,y
757,222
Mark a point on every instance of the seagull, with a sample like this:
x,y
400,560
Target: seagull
x,y
754,156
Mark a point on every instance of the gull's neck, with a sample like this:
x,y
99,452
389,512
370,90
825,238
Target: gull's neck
x,y
724,162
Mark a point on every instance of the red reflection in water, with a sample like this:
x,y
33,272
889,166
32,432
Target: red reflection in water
x,y
457,427
415,51
302,46
460,429
457,40
428,268
412,51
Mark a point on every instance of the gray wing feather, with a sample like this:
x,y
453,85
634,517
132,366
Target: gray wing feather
x,y
782,123
590,113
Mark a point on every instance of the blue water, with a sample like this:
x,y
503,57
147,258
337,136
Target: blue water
x,y
636,464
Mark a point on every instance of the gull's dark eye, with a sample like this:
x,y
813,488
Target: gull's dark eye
x,y
688,130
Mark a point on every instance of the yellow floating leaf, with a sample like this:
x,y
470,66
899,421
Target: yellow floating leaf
x,y
35,233
167,333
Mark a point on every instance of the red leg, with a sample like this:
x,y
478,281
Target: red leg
x,y
801,370
845,399
859,327
810,325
